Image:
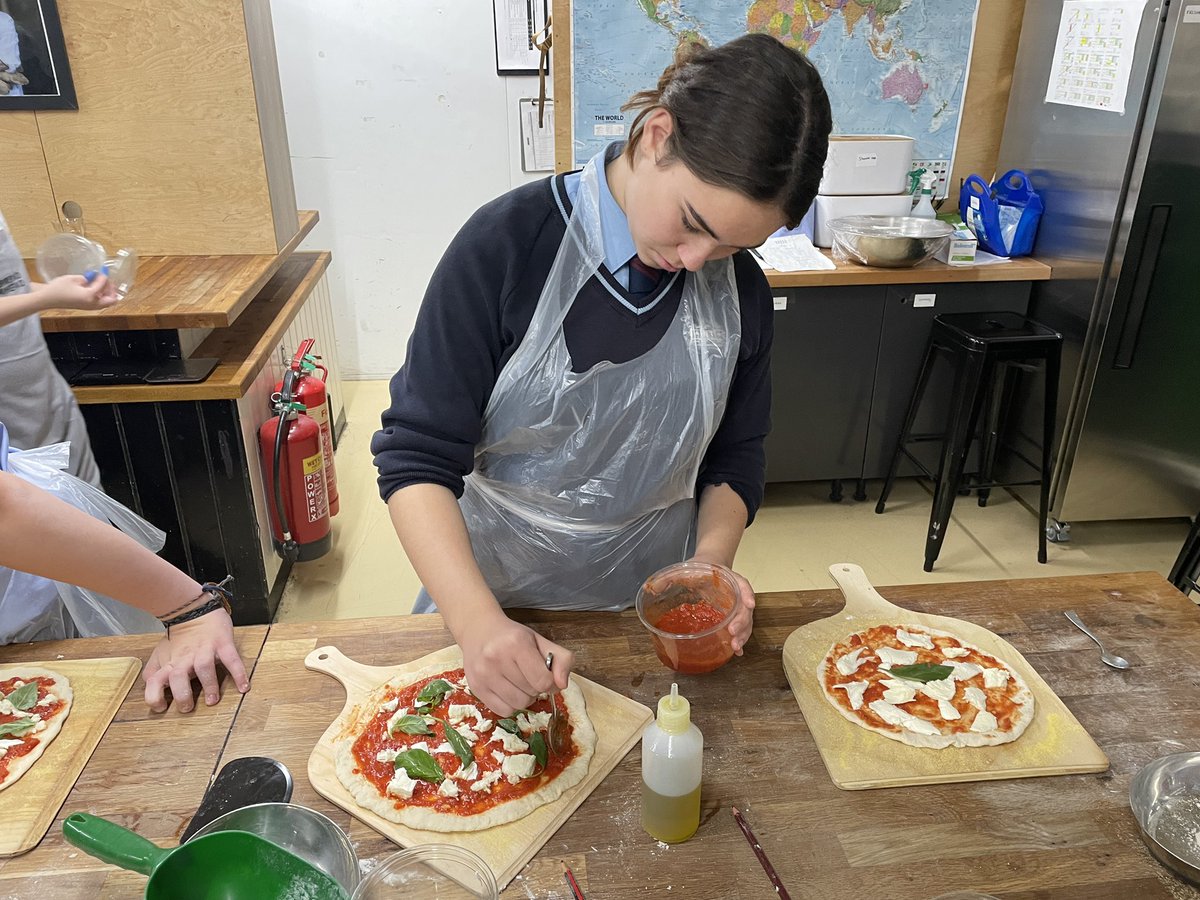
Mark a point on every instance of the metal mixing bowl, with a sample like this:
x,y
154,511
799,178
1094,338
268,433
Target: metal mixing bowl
x,y
892,242
1165,799
311,836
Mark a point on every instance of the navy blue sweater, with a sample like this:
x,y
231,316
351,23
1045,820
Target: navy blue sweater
x,y
476,311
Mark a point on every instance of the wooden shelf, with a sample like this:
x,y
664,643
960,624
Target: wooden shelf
x,y
243,348
185,291
933,272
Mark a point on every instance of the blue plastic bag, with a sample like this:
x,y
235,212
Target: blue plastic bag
x,y
1004,215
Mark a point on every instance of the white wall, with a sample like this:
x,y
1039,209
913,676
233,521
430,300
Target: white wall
x,y
399,129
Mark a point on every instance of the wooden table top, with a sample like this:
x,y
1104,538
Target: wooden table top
x,y
184,291
148,773
1023,268
1068,837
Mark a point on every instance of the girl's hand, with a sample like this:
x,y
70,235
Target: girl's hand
x,y
192,650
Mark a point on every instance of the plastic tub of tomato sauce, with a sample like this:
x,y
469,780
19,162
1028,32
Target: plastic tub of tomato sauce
x,y
687,609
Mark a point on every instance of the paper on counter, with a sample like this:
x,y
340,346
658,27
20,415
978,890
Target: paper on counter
x,y
793,253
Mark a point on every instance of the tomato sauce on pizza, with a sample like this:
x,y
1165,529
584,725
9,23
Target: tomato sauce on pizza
x,y
490,744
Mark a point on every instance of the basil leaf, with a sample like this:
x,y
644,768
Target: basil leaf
x,y
25,696
17,728
420,764
434,692
537,746
459,744
510,725
923,672
411,725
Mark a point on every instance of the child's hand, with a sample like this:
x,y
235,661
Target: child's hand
x,y
75,292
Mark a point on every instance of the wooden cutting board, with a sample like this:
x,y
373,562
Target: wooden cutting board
x,y
506,848
857,759
99,687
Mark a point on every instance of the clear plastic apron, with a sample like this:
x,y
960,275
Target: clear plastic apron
x,y
35,402
584,483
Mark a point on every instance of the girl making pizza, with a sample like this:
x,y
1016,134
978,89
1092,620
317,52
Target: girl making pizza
x,y
46,536
587,388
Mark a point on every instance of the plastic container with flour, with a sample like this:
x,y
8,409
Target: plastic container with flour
x,y
867,164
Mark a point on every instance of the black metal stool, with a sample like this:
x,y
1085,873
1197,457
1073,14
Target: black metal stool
x,y
987,350
1185,574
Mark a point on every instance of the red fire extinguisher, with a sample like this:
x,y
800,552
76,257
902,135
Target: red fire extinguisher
x,y
290,444
310,391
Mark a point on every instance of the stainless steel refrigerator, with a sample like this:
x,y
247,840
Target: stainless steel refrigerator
x,y
1122,231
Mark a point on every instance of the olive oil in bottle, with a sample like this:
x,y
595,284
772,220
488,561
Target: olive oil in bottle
x,y
672,770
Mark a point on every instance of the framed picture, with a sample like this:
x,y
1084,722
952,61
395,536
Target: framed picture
x,y
517,23
34,73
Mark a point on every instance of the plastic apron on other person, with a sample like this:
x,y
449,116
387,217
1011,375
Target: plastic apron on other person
x,y
33,608
584,483
35,401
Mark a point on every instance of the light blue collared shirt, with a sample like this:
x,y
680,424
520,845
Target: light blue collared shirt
x,y
614,227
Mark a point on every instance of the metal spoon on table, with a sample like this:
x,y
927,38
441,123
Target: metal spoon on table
x,y
1109,659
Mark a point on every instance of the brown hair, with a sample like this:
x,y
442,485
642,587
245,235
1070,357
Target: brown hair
x,y
751,115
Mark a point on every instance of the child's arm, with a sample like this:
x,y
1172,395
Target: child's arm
x,y
64,292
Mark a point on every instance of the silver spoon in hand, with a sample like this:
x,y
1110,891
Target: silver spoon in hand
x,y
557,730
1109,659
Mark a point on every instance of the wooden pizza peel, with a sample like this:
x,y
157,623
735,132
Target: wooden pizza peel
x,y
29,806
506,848
857,759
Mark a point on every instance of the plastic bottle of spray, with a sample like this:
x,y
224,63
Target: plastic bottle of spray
x,y
672,769
924,208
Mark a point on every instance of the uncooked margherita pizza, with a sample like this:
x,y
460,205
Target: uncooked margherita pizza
x,y
926,688
33,704
425,752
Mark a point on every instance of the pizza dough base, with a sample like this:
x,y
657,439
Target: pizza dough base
x,y
365,793
62,690
1023,696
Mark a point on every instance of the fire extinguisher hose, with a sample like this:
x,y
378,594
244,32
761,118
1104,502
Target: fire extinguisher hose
x,y
290,548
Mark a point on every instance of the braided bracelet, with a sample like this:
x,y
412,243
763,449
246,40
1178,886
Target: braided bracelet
x,y
221,596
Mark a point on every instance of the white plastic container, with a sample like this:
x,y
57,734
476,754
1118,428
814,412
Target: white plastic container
x,y
672,770
830,208
860,164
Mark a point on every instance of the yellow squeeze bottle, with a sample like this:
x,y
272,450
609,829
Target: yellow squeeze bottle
x,y
672,769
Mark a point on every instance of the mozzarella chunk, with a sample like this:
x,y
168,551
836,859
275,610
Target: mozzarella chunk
x,y
498,756
995,678
530,722
907,721
47,700
976,698
448,788
511,742
965,671
8,709
401,785
443,747
947,711
487,780
484,725
40,726
898,691
460,711
517,767
467,734
468,773
984,721
396,717
419,745
955,652
5,744
850,663
387,755
889,656
942,689
854,691
390,705
909,639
